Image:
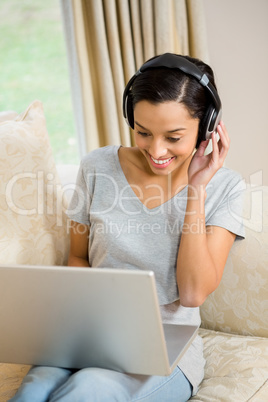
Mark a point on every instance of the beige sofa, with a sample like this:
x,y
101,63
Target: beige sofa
x,y
33,230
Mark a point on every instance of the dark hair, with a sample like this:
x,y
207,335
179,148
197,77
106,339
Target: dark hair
x,y
163,84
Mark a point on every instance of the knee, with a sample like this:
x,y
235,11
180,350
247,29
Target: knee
x,y
48,376
105,385
40,382
90,378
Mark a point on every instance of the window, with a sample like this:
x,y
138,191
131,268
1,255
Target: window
x,y
34,66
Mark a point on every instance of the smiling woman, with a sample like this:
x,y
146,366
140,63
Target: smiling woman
x,y
34,66
143,208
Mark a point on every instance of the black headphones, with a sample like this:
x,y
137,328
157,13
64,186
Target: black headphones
x,y
169,60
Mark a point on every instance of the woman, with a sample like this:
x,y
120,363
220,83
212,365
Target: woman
x,y
162,205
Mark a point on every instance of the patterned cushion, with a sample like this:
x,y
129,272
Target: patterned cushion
x,y
32,219
236,368
240,303
7,115
11,376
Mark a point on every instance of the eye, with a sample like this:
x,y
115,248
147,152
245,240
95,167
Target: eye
x,y
173,139
143,134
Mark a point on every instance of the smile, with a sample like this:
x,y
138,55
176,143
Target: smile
x,y
162,162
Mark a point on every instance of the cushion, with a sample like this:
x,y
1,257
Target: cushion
x,y
236,367
240,303
7,115
11,376
32,205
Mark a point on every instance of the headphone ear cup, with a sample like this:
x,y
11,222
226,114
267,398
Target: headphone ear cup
x,y
129,110
203,126
209,124
214,121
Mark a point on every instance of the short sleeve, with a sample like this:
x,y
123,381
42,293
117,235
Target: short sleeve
x,y
226,211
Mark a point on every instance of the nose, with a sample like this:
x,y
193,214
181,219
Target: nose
x,y
157,149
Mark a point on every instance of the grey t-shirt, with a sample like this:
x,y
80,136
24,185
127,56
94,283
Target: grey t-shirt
x,y
125,233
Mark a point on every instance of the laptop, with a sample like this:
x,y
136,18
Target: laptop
x,y
80,317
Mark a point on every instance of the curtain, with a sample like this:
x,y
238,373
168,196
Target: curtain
x,y
107,41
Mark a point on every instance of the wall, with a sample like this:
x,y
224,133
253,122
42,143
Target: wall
x,y
238,45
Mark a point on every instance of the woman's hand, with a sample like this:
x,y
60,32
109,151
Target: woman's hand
x,y
203,167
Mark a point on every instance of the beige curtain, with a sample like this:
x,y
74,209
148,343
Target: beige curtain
x,y
107,41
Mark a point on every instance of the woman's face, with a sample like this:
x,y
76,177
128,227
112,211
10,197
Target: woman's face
x,y
166,135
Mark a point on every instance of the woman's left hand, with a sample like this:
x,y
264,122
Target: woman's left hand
x,y
203,167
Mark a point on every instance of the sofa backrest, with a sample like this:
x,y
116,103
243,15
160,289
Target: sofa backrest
x,y
240,303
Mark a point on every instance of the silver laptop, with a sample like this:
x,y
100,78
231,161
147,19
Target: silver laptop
x,y
79,317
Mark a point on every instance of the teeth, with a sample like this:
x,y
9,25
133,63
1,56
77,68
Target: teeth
x,y
161,161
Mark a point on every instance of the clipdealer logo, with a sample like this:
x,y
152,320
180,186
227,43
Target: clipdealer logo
x,y
48,197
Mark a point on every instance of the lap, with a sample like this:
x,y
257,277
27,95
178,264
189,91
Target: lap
x,y
96,384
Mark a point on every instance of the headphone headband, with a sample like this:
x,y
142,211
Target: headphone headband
x,y
174,61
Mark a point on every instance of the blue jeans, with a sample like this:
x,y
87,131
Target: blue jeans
x,y
100,385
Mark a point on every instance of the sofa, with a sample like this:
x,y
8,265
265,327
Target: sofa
x,y
33,225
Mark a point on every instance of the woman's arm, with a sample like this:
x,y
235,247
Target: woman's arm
x,y
203,250
202,255
78,255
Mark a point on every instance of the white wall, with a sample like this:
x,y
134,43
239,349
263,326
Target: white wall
x,y
238,45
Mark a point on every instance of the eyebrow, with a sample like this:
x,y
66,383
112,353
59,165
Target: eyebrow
x,y
170,131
